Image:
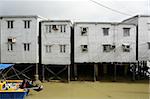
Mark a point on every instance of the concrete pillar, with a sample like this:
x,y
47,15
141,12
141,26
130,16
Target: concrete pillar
x,y
68,73
95,72
75,71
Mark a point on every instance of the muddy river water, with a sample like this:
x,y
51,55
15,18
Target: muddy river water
x,y
92,90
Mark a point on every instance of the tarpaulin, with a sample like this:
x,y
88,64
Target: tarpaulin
x,y
3,66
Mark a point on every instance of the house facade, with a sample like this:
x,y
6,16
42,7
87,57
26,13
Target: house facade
x,y
56,42
143,31
19,39
104,42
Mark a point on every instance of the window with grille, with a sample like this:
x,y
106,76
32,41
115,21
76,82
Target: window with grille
x,y
10,24
126,48
84,48
48,28
148,45
63,28
106,48
126,32
62,48
105,31
55,27
27,24
84,31
48,48
26,46
10,46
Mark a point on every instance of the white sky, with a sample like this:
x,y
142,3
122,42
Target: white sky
x,y
75,10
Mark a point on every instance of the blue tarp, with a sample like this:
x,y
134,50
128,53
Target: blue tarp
x,y
13,95
3,66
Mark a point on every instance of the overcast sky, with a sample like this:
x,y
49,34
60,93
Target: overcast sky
x,y
76,10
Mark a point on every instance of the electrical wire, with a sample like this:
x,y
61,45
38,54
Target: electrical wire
x,y
110,8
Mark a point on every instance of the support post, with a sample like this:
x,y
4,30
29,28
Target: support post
x,y
37,73
43,73
125,70
75,71
105,68
139,71
68,73
95,72
115,72
133,76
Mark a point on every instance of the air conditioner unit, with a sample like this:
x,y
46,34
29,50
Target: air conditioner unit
x,y
12,40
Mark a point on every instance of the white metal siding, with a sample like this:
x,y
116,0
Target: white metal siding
x,y
22,35
95,41
56,38
144,38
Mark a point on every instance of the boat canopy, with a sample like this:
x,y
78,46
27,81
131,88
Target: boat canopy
x,y
4,66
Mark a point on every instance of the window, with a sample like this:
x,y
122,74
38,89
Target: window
x,y
27,24
63,28
126,48
148,24
10,46
26,46
148,45
48,48
11,40
126,32
84,48
10,24
62,48
84,31
54,27
107,48
48,28
106,31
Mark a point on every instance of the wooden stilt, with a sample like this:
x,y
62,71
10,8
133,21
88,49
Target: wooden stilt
x,y
95,72
115,72
43,73
105,68
125,70
139,71
68,73
75,71
133,76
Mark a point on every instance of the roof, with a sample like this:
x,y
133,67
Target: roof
x,y
21,16
68,21
136,16
56,21
111,23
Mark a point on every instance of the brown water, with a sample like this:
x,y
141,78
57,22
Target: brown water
x,y
92,90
